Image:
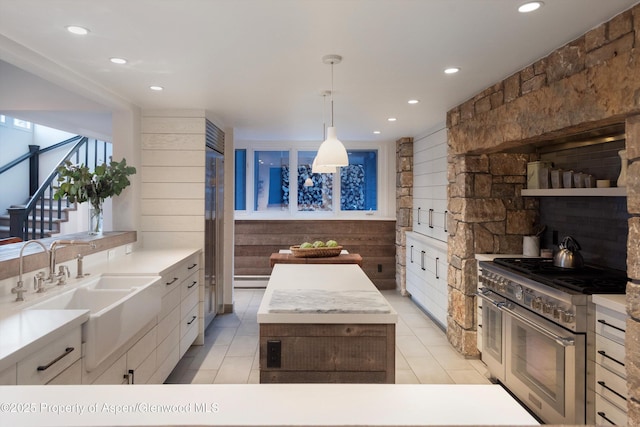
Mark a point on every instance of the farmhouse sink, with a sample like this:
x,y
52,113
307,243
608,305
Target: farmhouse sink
x,y
119,307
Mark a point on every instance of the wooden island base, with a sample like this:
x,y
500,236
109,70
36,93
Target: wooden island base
x,y
327,353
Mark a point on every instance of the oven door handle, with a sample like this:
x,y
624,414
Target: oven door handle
x,y
484,294
563,341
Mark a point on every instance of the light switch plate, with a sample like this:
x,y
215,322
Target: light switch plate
x,y
128,249
111,254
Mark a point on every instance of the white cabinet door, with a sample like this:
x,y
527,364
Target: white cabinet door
x,y
430,185
426,274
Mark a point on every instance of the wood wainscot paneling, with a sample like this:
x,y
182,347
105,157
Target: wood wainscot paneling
x,y
256,240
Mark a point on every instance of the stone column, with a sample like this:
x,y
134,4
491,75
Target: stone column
x,y
632,336
488,215
404,206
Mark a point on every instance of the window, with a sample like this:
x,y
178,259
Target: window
x,y
271,180
315,190
3,119
22,124
275,180
240,191
359,182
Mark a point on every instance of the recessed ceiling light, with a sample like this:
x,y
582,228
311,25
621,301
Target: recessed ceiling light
x,y
413,101
119,61
156,88
391,119
376,132
530,6
74,29
451,70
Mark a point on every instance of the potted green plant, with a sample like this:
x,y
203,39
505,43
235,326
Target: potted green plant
x,y
78,184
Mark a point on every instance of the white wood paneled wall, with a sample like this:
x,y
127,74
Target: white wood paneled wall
x,y
173,178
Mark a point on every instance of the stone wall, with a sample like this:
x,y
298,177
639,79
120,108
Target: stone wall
x,y
592,82
404,205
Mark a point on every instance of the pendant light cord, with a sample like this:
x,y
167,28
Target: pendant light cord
x,y
331,93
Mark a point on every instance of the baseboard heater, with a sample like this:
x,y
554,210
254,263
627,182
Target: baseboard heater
x,y
248,281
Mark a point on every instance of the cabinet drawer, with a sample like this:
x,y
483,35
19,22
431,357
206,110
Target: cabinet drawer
x,y
70,376
166,325
141,350
9,376
144,371
165,367
115,374
188,338
189,266
171,280
189,285
189,320
51,360
611,355
170,342
609,414
611,386
610,324
187,304
169,302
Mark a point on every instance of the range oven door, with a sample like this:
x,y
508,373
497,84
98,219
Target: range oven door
x,y
493,333
545,366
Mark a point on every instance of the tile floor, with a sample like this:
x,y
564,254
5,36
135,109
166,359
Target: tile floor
x,y
230,352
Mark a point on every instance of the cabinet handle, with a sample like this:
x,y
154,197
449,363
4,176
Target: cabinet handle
x,y
130,376
411,254
192,320
195,282
604,322
603,415
189,268
172,282
67,351
422,253
445,221
430,218
602,383
419,216
437,274
602,352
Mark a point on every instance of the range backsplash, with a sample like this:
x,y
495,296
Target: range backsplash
x,y
599,224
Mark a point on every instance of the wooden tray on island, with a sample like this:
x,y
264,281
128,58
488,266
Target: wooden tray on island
x,y
322,252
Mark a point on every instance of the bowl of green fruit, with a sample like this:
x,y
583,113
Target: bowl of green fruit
x,y
317,249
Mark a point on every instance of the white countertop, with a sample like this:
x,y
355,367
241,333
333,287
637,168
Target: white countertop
x,y
323,293
27,330
614,302
23,330
265,405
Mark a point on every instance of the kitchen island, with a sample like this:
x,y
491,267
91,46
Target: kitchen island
x,y
325,323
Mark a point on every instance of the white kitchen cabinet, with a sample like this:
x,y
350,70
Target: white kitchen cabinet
x,y
51,359
9,376
430,213
426,274
610,374
70,376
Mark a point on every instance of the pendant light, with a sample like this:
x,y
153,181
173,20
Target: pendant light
x,y
315,168
308,182
331,152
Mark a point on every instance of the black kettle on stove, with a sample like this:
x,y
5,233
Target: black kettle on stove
x,y
568,255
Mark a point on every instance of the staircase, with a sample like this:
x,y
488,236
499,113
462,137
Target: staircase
x,y
40,221
42,216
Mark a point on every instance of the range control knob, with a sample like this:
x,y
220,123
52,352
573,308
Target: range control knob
x,y
536,304
557,312
568,317
547,308
518,292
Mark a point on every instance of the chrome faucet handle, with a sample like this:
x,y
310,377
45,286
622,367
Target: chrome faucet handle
x,y
38,282
63,273
19,290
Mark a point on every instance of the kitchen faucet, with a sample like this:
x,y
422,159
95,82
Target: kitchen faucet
x,y
19,290
63,273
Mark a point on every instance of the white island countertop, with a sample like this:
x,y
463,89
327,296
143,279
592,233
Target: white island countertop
x,y
323,293
265,405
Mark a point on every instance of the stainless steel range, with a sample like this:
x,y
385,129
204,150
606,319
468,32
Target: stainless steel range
x,y
535,331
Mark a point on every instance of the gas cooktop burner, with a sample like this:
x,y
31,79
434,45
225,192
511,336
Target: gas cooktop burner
x,y
587,280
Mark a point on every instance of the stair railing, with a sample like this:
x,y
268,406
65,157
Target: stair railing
x,y
24,220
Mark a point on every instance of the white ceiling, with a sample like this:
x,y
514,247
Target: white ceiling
x,y
256,65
